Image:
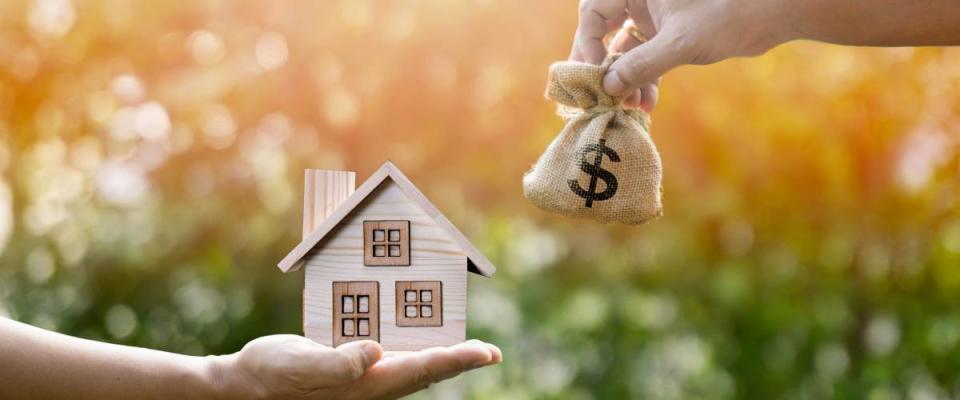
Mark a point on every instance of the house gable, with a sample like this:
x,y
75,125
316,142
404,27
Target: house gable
x,y
387,202
477,263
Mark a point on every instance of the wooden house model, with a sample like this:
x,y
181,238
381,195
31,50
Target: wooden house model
x,y
382,263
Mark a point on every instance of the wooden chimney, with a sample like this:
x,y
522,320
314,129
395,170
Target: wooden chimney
x,y
323,192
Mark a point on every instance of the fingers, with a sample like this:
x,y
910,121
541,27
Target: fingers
x,y
645,97
575,53
640,66
597,18
346,363
623,42
651,96
404,373
634,100
639,13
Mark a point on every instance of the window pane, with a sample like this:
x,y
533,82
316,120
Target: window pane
x,y
410,311
363,327
394,250
426,295
379,250
347,327
363,304
426,311
394,235
378,235
410,296
347,304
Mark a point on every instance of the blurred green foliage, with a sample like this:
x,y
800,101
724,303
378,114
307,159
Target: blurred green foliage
x,y
150,176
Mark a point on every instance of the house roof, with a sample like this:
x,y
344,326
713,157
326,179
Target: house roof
x,y
476,262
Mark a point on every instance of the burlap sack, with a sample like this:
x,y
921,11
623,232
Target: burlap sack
x,y
603,165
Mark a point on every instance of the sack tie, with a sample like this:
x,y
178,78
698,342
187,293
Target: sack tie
x,y
603,108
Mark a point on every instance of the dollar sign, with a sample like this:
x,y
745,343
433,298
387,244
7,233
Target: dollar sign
x,y
595,172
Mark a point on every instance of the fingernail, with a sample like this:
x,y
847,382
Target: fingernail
x,y
481,364
612,84
496,355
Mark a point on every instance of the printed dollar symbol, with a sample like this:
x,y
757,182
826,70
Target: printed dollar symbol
x,y
595,172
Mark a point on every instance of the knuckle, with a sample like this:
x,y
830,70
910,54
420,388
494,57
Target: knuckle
x,y
425,377
351,367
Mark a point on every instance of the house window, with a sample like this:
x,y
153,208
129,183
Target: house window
x,y
355,311
386,243
419,303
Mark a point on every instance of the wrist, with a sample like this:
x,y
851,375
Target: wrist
x,y
221,380
184,378
777,21
788,15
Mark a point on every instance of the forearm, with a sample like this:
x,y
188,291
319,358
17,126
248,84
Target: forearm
x,y
876,22
47,365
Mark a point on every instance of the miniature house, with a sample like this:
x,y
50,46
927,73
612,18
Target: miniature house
x,y
382,263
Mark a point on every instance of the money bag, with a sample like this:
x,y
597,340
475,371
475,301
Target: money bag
x,y
603,165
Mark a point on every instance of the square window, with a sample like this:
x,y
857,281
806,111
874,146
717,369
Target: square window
x,y
386,243
347,304
363,304
419,303
348,327
363,327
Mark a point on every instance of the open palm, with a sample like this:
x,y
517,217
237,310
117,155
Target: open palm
x,y
294,367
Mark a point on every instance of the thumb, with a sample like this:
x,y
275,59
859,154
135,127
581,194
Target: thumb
x,y
641,65
351,360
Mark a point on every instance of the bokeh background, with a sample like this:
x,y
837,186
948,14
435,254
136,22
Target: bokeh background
x,y
151,158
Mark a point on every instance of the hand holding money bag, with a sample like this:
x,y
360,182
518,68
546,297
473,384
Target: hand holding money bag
x,y
603,165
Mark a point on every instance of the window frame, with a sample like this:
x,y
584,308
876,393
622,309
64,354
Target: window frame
x,y
435,303
371,257
354,290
